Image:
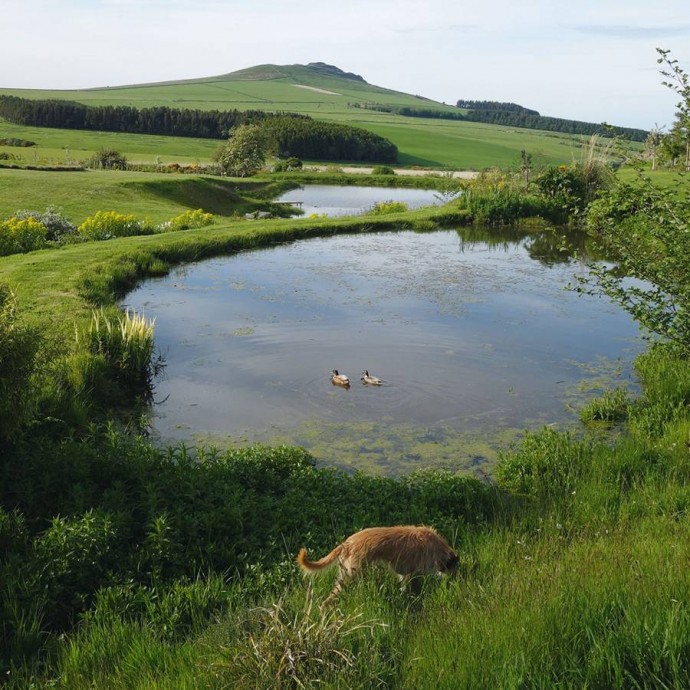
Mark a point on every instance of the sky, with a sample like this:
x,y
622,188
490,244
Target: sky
x,y
591,60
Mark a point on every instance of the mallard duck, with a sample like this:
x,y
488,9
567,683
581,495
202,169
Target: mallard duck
x,y
369,379
339,379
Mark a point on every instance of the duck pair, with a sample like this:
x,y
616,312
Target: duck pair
x,y
338,379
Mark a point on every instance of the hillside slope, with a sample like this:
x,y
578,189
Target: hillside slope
x,y
329,93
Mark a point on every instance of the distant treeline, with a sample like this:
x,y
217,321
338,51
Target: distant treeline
x,y
298,135
319,140
511,115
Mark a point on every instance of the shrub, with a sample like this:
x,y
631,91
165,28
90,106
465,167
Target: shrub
x,y
382,170
108,159
382,208
188,220
105,225
58,227
18,235
288,165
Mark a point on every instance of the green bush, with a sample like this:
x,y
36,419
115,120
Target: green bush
x,y
382,170
383,208
108,159
288,165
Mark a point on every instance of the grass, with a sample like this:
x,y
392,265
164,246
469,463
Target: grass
x,y
130,565
158,197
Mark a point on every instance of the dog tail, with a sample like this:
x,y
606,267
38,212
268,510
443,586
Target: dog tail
x,y
313,566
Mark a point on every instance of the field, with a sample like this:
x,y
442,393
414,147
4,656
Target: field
x,y
421,141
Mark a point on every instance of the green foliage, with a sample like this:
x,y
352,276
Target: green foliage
x,y
108,159
245,152
126,343
383,208
288,165
382,170
611,407
646,230
18,349
105,225
547,464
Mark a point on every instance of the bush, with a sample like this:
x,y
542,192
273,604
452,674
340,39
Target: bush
x,y
108,159
188,220
382,170
288,165
105,225
383,208
57,226
18,236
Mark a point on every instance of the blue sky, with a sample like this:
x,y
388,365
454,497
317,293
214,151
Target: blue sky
x,y
592,60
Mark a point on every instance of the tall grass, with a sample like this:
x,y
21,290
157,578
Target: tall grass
x,y
125,341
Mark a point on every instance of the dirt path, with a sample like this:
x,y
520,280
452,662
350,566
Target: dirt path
x,y
461,174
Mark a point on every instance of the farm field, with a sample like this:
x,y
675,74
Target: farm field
x,y
428,142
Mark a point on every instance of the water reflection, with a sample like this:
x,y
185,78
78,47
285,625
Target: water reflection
x,y
333,201
472,332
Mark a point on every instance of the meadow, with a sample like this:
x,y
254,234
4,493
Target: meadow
x,y
425,142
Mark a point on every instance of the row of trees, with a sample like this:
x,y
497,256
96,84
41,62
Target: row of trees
x,y
290,134
206,124
511,115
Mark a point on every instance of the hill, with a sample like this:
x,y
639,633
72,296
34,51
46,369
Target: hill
x,y
328,93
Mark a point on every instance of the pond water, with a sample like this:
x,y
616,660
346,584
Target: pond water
x,y
332,201
473,333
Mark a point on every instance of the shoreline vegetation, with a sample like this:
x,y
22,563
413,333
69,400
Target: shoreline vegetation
x,y
130,565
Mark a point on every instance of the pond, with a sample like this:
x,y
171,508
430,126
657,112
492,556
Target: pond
x,y
474,334
332,201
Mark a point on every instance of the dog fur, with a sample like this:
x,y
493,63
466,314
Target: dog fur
x,y
409,550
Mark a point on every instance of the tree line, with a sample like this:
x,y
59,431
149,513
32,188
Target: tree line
x,y
511,115
294,134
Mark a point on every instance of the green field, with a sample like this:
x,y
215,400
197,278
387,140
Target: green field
x,y
420,141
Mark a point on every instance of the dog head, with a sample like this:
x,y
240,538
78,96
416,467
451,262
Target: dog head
x,y
450,565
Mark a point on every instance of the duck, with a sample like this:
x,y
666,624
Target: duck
x,y
339,379
367,378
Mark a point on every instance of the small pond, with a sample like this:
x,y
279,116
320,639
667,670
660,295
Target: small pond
x,y
332,201
473,332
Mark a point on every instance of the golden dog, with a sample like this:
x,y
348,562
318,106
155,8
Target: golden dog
x,y
410,551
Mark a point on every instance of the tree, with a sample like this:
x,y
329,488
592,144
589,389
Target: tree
x,y
645,229
245,152
652,145
678,81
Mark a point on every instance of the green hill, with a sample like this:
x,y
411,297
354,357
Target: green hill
x,y
328,93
